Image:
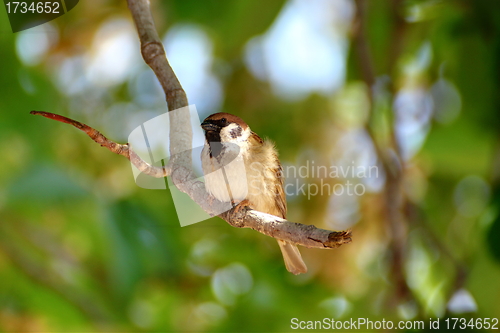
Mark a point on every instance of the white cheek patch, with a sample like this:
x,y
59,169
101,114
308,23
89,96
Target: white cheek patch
x,y
234,133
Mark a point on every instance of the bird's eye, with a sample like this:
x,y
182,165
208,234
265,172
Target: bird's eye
x,y
223,120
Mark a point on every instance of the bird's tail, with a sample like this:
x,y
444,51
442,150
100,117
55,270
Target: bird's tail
x,y
293,259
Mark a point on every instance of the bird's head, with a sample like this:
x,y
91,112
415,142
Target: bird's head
x,y
225,128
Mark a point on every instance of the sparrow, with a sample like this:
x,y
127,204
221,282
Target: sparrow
x,y
241,168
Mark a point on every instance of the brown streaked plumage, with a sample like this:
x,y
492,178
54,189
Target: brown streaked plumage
x,y
257,161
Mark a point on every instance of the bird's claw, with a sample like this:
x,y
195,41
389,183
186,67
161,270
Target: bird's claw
x,y
240,206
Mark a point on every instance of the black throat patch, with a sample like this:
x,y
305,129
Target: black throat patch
x,y
215,146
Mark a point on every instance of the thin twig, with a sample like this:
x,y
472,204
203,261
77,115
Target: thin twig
x,y
120,149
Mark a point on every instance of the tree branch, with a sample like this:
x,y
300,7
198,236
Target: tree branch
x,y
154,55
179,166
391,164
273,226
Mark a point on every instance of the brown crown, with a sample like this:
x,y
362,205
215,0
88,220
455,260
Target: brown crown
x,y
230,118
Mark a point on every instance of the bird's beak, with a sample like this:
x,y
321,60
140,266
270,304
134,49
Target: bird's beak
x,y
208,126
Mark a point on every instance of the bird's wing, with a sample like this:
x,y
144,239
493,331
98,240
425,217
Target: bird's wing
x,y
280,192
274,170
